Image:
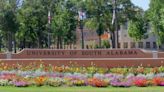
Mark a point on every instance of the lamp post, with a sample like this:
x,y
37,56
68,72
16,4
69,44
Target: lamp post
x,y
82,34
82,16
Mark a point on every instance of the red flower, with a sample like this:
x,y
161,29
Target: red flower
x,y
97,82
140,82
157,81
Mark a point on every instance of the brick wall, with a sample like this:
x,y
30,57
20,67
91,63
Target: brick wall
x,y
2,56
161,54
99,58
97,63
106,53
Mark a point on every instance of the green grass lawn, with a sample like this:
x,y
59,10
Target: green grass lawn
x,y
81,89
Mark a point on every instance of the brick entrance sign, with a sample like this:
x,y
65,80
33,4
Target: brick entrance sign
x,y
128,53
102,58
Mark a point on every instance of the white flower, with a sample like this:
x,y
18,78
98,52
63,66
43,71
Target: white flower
x,y
130,75
150,76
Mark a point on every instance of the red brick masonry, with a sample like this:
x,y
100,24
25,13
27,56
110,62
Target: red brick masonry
x,y
100,58
161,55
48,53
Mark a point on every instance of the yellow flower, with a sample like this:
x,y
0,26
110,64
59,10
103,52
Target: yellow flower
x,y
5,67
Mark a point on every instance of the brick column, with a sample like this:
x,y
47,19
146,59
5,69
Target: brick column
x,y
155,54
8,55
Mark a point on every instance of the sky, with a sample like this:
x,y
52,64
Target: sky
x,y
142,3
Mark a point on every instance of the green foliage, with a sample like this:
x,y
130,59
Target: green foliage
x,y
155,15
162,16
100,14
27,24
105,44
8,20
64,23
32,23
98,11
137,28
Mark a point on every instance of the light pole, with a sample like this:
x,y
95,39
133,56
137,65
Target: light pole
x,y
82,34
82,16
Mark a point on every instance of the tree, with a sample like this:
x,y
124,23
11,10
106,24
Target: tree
x,y
34,28
9,23
102,12
162,17
64,24
72,23
33,18
96,10
137,27
155,15
58,25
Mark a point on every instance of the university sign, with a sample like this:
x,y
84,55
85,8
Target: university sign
x,y
108,53
80,53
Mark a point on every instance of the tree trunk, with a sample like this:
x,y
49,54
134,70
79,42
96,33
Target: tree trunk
x,y
39,43
61,43
70,45
0,45
58,42
116,38
15,50
24,43
9,41
64,45
100,41
29,44
113,39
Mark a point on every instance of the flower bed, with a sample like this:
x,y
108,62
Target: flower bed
x,y
42,74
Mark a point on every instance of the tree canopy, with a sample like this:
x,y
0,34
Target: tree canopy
x,y
138,26
155,16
